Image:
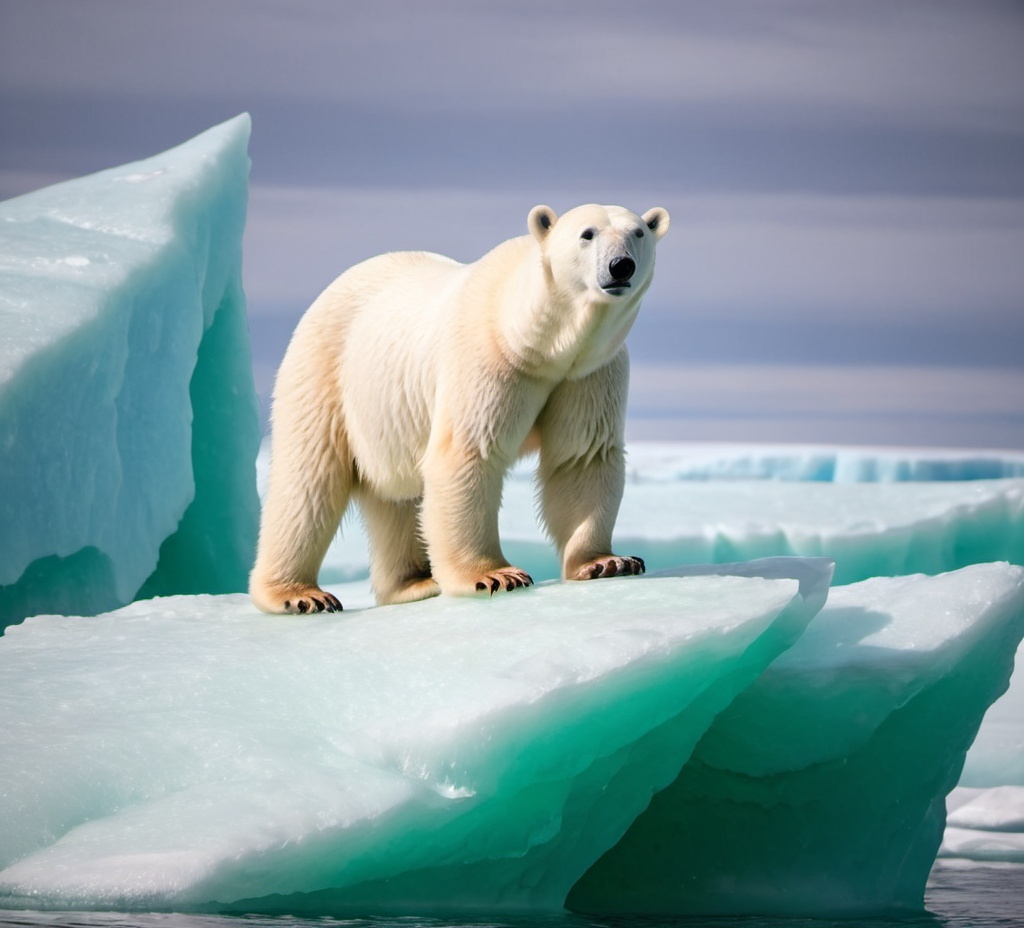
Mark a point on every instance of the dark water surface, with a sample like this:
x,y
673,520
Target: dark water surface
x,y
957,897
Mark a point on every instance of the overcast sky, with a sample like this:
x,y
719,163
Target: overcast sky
x,y
846,179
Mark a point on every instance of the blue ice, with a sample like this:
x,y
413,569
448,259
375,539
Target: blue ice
x,y
129,422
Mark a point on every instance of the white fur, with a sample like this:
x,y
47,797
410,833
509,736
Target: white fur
x,y
414,382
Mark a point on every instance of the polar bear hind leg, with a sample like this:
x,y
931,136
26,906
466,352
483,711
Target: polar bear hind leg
x,y
310,483
399,566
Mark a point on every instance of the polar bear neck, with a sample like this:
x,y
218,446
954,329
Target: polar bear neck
x,y
552,333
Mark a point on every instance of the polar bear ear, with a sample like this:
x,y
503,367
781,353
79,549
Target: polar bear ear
x,y
541,221
657,220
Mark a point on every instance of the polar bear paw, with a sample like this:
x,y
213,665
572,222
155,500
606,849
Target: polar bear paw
x,y
610,566
508,578
315,601
296,600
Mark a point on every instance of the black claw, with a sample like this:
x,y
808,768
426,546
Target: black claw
x,y
303,606
287,604
319,605
495,585
596,570
481,585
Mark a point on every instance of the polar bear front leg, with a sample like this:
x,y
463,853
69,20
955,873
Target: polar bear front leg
x,y
582,471
461,498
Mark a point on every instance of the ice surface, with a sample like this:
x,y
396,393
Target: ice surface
x,y
820,789
129,422
445,754
483,754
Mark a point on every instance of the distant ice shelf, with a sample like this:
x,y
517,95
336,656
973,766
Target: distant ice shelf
x,y
666,461
871,528
129,422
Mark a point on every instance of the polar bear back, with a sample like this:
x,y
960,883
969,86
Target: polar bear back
x,y
386,314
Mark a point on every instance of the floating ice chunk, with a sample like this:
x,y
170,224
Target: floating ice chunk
x,y
997,756
129,422
985,824
455,753
820,789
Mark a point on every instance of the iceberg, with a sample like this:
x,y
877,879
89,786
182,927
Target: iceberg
x,y
820,789
500,755
986,810
454,753
129,423
985,825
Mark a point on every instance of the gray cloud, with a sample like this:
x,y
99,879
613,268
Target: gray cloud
x,y
890,60
846,180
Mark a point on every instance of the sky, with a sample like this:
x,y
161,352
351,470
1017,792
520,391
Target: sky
x,y
846,180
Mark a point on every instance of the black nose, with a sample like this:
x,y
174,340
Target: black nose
x,y
622,268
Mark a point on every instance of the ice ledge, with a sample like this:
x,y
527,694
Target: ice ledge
x,y
820,790
455,753
459,754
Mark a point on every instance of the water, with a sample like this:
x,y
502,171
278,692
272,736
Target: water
x,y
972,896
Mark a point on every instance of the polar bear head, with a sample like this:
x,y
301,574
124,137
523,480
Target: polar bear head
x,y
599,253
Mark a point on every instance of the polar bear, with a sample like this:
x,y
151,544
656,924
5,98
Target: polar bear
x,y
414,382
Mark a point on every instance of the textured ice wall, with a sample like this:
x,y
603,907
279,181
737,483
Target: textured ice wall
x,y
820,790
129,422
455,753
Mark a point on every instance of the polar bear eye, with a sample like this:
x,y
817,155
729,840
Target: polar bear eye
x,y
587,234
639,233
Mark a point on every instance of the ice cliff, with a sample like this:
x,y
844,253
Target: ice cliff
x,y
129,423
822,785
